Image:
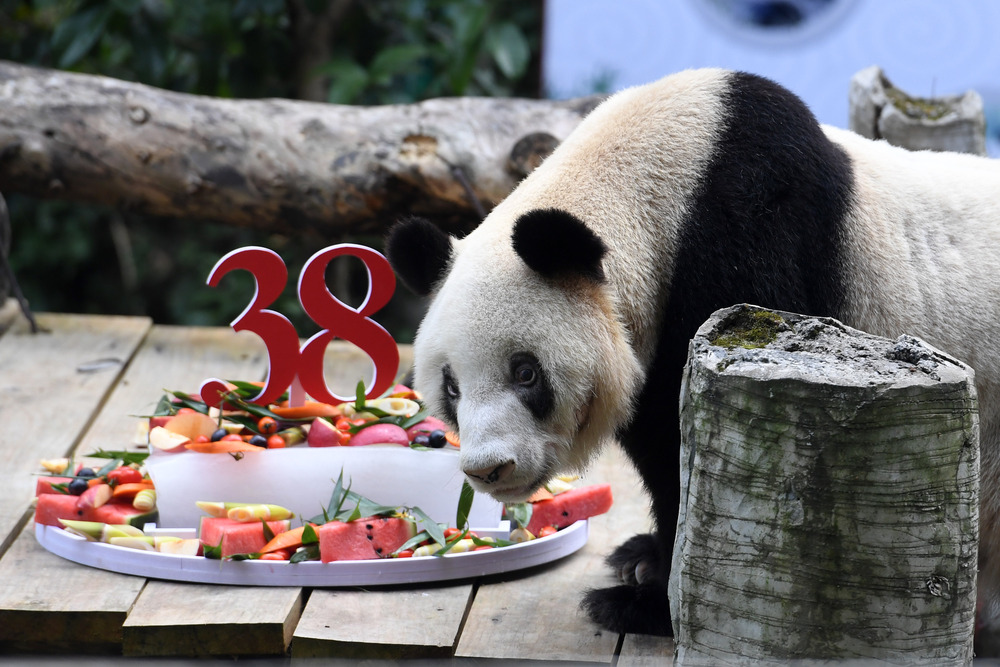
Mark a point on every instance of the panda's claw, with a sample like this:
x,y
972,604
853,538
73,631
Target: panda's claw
x,y
641,608
637,560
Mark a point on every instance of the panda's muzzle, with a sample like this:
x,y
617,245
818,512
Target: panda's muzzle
x,y
492,475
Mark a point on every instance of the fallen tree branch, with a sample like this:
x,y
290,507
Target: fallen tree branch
x,y
270,164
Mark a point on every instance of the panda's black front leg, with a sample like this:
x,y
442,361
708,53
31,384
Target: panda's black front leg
x,y
640,604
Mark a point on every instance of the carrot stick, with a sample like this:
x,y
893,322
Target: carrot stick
x,y
222,447
130,489
541,493
311,409
290,539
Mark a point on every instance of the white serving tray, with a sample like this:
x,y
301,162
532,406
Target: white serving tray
x,y
382,572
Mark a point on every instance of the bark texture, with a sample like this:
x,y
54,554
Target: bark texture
x,y
270,164
830,496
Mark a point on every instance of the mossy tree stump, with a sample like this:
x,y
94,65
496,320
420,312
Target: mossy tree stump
x,y
880,110
830,496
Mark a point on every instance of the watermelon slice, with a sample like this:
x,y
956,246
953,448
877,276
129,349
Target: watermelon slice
x,y
44,485
363,539
237,537
54,506
567,508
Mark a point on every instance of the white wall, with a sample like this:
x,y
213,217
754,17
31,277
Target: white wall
x,y
925,47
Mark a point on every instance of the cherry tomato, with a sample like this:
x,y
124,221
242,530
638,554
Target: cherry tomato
x,y
123,475
545,531
267,426
451,532
405,553
342,424
201,438
345,438
276,442
231,436
482,547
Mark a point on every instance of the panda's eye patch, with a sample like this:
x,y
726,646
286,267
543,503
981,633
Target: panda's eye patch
x,y
449,386
449,383
529,382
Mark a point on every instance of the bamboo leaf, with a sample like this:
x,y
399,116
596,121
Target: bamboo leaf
x,y
519,513
465,499
306,553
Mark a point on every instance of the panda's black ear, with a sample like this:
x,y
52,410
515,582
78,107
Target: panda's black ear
x,y
419,253
555,243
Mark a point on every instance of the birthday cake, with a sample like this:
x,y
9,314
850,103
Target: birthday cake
x,y
223,472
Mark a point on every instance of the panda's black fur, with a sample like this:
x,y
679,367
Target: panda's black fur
x,y
766,225
764,229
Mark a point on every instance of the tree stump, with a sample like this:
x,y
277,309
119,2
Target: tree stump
x,y
879,110
829,496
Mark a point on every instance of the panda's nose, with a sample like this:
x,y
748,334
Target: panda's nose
x,y
492,475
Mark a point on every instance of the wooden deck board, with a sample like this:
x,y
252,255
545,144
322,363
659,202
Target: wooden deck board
x,y
199,620
52,605
411,622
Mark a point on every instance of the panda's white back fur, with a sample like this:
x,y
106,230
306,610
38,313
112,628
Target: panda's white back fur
x,y
921,253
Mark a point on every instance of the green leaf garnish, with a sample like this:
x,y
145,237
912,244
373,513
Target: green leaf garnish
x,y
308,552
126,457
359,396
268,533
464,505
519,513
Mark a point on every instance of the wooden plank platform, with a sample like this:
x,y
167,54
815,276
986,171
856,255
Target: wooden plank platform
x,y
80,386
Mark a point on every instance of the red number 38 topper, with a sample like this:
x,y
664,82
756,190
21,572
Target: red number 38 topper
x,y
300,369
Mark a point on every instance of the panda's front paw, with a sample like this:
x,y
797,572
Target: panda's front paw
x,y
637,561
641,608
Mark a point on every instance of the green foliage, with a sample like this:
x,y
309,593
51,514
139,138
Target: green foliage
x,y
74,258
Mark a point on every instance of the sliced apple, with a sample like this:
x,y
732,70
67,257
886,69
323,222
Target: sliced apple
x,y
180,547
96,496
322,434
191,424
167,441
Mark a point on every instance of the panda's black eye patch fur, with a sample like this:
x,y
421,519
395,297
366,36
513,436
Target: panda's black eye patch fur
x,y
450,390
529,381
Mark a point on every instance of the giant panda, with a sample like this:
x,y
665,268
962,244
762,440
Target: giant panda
x,y
562,321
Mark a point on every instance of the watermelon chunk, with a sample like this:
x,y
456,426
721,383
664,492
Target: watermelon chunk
x,y
567,508
237,537
54,506
363,539
44,485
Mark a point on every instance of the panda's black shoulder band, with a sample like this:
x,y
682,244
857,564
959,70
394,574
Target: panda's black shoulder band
x,y
419,253
556,243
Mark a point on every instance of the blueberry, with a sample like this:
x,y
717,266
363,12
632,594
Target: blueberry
x,y
86,472
77,486
219,434
421,440
436,439
259,441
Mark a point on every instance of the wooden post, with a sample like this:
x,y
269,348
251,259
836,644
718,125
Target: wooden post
x,y
829,496
879,110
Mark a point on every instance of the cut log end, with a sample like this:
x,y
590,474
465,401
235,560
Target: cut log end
x,y
829,504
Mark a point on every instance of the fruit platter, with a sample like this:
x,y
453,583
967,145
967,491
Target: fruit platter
x,y
361,493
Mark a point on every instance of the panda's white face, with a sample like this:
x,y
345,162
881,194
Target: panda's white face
x,y
522,367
